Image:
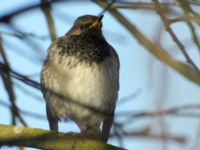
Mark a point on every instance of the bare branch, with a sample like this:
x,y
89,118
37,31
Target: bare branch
x,y
43,139
172,34
9,88
184,69
147,134
46,9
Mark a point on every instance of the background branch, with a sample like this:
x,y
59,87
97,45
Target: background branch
x,y
45,5
184,69
8,84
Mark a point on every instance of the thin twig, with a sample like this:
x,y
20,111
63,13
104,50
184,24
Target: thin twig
x,y
172,34
45,5
107,7
19,76
175,111
184,69
141,5
9,88
187,10
22,36
148,135
24,112
8,16
129,97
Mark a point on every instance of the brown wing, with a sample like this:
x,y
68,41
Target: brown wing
x,y
53,121
108,120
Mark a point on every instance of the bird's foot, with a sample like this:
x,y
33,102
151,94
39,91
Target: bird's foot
x,y
91,134
72,134
80,136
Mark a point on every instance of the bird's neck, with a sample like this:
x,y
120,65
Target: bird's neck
x,y
89,48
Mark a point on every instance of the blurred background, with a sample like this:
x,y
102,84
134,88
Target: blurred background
x,y
159,99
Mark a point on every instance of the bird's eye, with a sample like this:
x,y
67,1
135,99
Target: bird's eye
x,y
83,27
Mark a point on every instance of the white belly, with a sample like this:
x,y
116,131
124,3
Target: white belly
x,y
93,85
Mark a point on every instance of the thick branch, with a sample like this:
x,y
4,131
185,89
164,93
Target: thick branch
x,y
43,139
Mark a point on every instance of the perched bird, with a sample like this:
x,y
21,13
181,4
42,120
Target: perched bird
x,y
80,79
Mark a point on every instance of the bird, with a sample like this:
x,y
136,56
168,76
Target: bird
x,y
80,79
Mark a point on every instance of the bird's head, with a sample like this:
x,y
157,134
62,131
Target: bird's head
x,y
86,24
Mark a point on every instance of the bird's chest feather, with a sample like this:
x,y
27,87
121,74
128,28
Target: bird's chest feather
x,y
87,82
94,85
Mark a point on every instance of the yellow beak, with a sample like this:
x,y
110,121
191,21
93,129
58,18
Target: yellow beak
x,y
97,23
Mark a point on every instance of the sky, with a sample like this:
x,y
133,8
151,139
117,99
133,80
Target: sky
x,y
140,72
